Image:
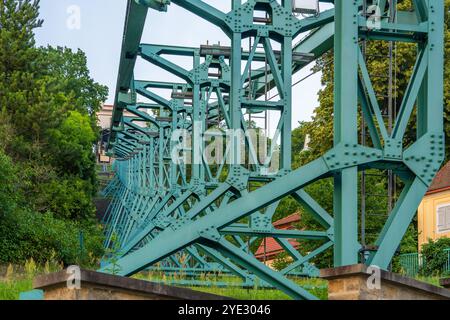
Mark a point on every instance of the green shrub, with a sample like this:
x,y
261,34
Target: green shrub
x,y
25,234
435,257
282,260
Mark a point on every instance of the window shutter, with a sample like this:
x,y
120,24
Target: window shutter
x,y
447,218
441,218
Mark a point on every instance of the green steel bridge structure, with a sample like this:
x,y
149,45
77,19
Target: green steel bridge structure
x,y
173,210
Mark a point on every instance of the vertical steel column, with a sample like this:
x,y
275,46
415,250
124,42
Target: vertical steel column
x,y
431,109
346,130
235,112
286,51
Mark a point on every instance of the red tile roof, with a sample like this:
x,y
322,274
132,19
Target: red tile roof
x,y
272,247
442,180
287,221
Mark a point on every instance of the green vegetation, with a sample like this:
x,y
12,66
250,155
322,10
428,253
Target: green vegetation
x,y
26,234
431,280
436,258
48,104
281,261
19,279
11,289
113,254
244,293
318,287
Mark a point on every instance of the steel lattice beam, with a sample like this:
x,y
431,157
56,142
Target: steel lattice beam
x,y
203,217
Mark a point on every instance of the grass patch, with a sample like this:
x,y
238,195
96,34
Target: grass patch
x,y
17,279
317,287
11,289
431,280
244,293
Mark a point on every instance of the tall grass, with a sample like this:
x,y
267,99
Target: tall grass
x,y
317,287
431,280
11,289
17,279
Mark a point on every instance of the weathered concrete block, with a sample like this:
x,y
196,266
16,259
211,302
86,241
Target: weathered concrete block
x,y
355,282
102,286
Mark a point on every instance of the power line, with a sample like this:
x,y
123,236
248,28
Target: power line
x,y
303,79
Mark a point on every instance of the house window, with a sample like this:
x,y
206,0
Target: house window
x,y
443,215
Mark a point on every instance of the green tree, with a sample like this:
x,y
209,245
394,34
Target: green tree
x,y
48,105
71,143
7,178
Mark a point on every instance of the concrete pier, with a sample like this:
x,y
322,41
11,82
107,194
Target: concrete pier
x,y
357,282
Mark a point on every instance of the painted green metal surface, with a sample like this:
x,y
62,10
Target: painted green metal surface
x,y
172,215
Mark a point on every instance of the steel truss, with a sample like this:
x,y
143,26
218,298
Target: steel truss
x,y
198,217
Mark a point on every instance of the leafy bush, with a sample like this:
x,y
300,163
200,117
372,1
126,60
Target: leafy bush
x,y
282,260
68,198
25,234
435,257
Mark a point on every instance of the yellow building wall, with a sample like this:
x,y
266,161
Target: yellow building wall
x,y
427,216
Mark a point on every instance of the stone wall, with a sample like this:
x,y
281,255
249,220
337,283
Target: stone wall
x,y
356,282
101,286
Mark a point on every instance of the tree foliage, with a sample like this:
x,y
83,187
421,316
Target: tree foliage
x,y
48,105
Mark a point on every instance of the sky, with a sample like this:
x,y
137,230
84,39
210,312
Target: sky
x,y
98,32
